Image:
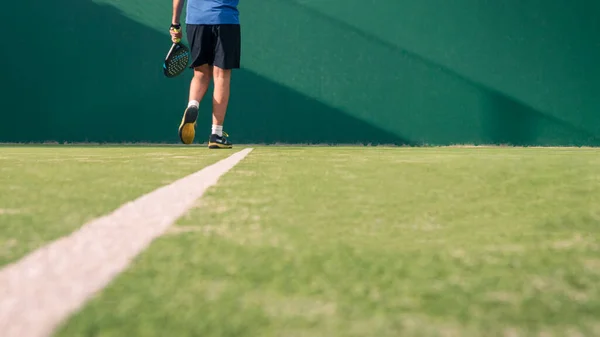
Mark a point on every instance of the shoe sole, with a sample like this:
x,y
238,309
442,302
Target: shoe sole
x,y
187,128
219,146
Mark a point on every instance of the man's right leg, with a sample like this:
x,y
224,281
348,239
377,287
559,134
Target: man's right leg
x,y
222,81
227,57
198,88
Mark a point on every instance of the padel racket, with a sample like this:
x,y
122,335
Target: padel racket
x,y
177,60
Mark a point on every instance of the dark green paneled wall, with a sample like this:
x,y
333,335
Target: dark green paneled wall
x,y
337,71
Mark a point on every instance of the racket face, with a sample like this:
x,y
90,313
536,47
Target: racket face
x,y
177,60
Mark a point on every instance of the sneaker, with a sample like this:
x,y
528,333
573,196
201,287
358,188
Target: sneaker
x,y
219,142
187,128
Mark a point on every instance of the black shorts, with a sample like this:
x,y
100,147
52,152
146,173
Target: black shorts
x,y
218,45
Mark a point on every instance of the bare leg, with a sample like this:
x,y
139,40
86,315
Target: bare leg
x,y
198,88
222,80
200,82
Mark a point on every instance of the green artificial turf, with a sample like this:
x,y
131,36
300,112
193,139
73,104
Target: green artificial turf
x,y
47,192
373,242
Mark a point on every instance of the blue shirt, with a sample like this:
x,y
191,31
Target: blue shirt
x,y
212,12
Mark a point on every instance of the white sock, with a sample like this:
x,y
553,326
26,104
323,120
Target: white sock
x,y
217,130
193,103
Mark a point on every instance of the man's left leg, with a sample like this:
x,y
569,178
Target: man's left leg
x,y
202,50
198,87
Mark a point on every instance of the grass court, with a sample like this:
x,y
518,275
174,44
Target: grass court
x,y
329,241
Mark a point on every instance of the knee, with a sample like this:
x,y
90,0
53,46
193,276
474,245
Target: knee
x,y
222,74
203,74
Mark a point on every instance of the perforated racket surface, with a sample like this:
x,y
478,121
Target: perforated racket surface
x,y
177,60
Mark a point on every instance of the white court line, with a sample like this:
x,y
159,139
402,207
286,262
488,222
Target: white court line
x,y
44,288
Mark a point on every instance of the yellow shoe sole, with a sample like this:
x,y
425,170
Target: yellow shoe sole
x,y
187,132
219,146
187,128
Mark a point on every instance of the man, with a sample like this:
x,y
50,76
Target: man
x,y
213,32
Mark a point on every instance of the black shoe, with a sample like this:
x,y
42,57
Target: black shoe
x,y
219,142
187,128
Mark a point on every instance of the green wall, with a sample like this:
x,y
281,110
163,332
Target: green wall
x,y
403,72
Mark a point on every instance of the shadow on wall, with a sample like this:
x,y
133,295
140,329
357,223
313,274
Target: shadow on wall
x,y
402,92
514,123
95,75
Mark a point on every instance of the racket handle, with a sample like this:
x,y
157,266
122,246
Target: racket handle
x,y
170,50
